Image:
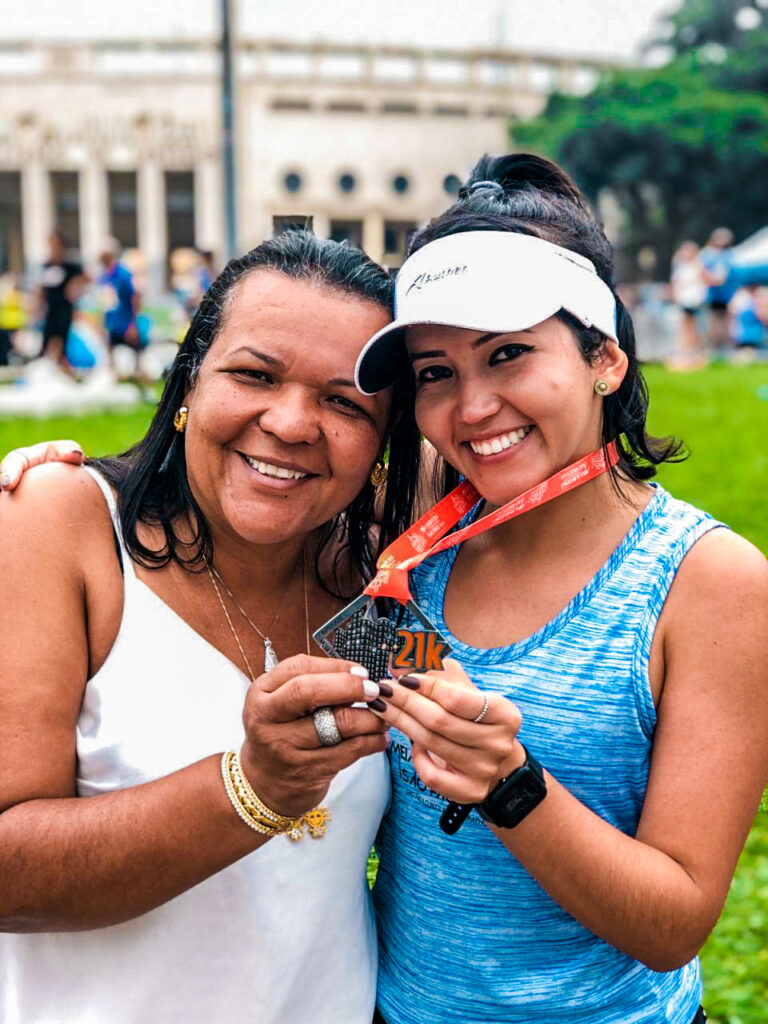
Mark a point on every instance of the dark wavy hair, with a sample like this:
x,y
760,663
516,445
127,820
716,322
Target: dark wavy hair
x,y
533,196
151,478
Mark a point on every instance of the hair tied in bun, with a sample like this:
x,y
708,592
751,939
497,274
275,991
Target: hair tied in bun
x,y
485,186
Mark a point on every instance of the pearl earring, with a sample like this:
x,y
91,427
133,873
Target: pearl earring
x,y
602,387
180,419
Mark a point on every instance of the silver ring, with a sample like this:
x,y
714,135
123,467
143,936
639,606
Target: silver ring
x,y
326,728
481,716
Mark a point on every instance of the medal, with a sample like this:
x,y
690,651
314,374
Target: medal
x,y
360,634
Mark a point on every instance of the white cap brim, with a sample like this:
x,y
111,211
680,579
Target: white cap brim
x,y
485,281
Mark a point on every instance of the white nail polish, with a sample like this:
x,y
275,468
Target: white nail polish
x,y
370,689
359,670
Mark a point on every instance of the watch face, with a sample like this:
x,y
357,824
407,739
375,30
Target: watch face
x,y
515,798
527,789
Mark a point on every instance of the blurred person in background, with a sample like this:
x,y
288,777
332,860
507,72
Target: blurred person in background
x,y
13,314
749,320
206,271
120,299
718,275
61,285
689,293
121,303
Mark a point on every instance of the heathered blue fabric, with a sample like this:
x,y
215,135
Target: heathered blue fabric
x,y
465,933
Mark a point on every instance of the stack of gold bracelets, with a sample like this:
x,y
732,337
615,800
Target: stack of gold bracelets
x,y
257,815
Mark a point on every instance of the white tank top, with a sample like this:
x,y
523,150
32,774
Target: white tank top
x,y
284,936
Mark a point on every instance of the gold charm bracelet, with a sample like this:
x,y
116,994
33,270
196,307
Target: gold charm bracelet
x,y
255,812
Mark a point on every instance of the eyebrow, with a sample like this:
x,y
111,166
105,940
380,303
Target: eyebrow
x,y
269,360
438,353
339,382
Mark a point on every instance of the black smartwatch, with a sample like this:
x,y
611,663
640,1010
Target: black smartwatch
x,y
515,797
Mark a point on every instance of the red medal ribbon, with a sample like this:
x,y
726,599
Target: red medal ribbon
x,y
427,536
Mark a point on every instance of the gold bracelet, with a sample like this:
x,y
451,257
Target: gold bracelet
x,y
255,813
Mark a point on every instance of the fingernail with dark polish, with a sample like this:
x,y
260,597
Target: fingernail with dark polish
x,y
410,682
377,705
385,689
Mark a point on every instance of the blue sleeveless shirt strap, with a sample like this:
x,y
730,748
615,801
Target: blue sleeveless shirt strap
x,y
665,574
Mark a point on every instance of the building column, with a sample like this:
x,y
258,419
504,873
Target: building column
x,y
373,236
94,210
321,225
36,213
209,209
151,224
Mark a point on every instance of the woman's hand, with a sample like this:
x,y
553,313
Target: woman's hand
x,y
17,462
282,757
453,754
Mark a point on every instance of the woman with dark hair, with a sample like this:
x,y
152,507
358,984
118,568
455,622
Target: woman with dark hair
x,y
604,723
147,602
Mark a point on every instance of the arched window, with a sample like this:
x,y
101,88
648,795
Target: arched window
x,y
347,182
451,184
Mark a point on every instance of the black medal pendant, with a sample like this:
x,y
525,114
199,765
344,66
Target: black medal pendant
x,y
359,633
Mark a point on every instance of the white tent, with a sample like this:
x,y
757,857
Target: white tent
x,y
753,252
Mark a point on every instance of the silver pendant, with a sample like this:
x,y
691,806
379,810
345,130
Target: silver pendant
x,y
271,660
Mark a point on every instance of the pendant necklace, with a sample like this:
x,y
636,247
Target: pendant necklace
x,y
315,821
270,656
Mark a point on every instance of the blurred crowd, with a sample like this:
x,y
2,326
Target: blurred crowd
x,y
722,308
77,318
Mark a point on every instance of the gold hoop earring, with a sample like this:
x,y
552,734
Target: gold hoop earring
x,y
378,473
180,419
602,387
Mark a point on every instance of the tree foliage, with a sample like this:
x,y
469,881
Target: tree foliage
x,y
700,23
682,148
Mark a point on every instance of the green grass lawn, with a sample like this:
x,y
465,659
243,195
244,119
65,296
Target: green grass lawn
x,y
100,433
722,414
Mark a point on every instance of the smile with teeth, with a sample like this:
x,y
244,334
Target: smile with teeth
x,y
494,445
267,469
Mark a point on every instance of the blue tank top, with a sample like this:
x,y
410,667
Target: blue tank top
x,y
465,933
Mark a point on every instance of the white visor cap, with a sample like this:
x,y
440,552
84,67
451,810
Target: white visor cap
x,y
497,281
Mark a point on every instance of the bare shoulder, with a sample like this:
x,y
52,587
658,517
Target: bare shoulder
x,y
720,566
61,598
720,590
51,505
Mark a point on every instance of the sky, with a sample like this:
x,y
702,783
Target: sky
x,y
607,28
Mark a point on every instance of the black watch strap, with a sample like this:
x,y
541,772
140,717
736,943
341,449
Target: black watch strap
x,y
509,801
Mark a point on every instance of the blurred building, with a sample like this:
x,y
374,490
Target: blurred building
x,y
123,138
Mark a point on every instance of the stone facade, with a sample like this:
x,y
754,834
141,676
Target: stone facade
x,y
368,141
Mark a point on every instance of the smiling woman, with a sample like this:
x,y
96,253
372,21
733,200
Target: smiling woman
x,y
274,434
610,644
142,593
